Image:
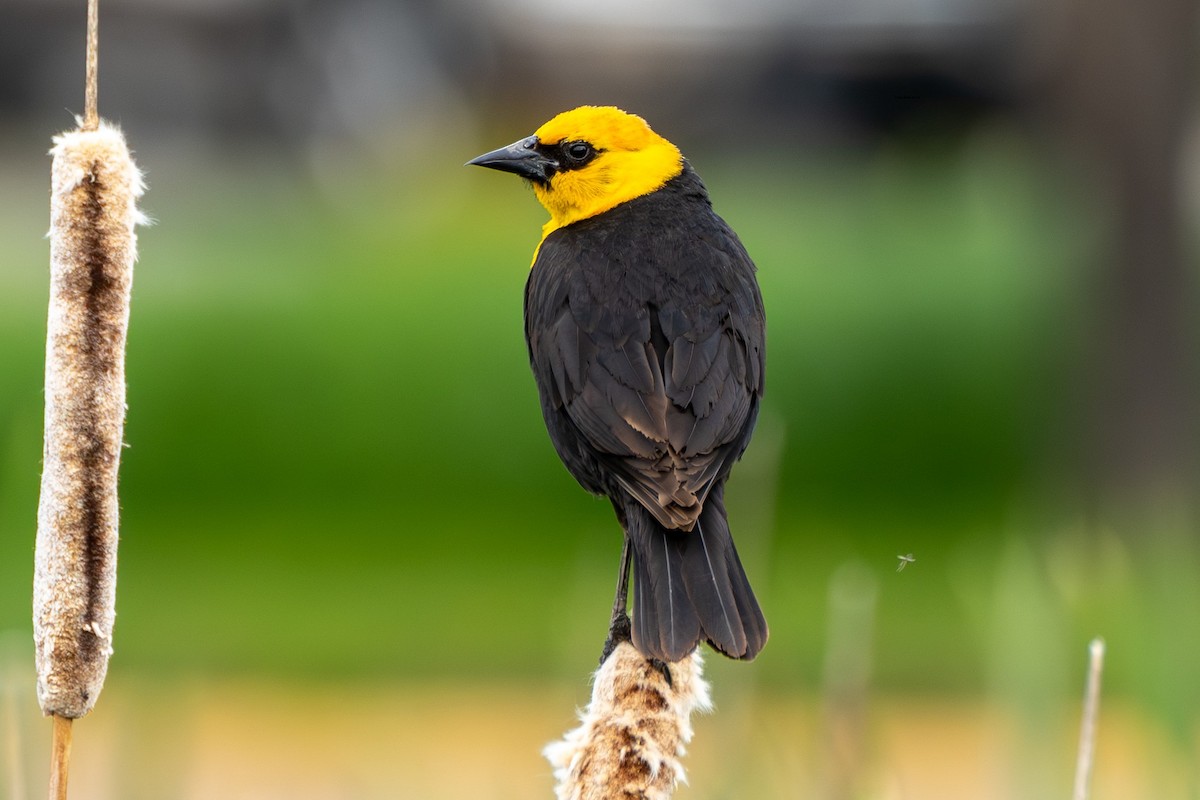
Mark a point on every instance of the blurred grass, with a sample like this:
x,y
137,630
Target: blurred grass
x,y
337,466
241,738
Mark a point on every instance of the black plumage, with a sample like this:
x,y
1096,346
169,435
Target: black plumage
x,y
646,337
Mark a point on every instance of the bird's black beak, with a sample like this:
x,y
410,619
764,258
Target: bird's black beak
x,y
523,158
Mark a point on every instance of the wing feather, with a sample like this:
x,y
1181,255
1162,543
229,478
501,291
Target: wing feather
x,y
651,380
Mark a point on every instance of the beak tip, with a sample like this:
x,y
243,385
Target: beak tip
x,y
521,158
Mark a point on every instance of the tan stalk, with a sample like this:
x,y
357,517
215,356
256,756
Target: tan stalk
x,y
91,116
93,212
1087,728
60,757
631,738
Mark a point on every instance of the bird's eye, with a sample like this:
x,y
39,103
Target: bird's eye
x,y
578,151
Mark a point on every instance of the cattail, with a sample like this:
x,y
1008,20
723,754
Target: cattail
x,y
632,736
94,189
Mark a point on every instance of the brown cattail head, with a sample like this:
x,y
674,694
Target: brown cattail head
x,y
93,211
632,736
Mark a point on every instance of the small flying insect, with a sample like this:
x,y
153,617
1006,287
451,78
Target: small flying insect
x,y
905,561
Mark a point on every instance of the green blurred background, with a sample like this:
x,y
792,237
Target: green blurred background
x,y
340,509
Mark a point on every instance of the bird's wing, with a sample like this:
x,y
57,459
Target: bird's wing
x,y
663,394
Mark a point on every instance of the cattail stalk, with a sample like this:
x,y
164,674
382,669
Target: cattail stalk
x,y
60,758
91,115
632,736
93,211
94,188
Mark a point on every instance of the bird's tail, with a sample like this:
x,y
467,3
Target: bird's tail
x,y
690,585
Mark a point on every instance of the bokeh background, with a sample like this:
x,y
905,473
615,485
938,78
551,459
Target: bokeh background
x,y
351,564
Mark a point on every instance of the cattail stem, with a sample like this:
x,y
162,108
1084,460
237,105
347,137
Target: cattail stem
x,y
91,115
1087,728
60,758
94,187
632,736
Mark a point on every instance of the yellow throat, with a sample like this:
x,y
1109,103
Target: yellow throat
x,y
632,160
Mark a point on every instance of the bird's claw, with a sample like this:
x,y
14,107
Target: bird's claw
x,y
620,629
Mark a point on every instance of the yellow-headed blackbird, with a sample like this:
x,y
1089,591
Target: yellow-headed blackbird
x,y
646,336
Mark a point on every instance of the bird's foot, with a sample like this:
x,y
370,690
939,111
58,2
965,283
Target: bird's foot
x,y
664,668
620,629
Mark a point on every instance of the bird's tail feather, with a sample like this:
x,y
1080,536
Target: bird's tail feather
x,y
690,585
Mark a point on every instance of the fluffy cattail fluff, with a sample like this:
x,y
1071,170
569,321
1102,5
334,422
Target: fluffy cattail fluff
x,y
93,211
632,736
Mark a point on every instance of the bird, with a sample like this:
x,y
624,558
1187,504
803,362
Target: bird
x,y
646,335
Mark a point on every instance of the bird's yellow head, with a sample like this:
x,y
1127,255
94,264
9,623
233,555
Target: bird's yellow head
x,y
588,160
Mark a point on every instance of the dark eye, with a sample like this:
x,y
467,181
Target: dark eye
x,y
578,151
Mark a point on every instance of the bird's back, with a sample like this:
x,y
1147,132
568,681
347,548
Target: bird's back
x,y
646,335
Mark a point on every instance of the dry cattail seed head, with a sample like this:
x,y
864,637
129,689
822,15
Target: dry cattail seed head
x,y
93,211
632,736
